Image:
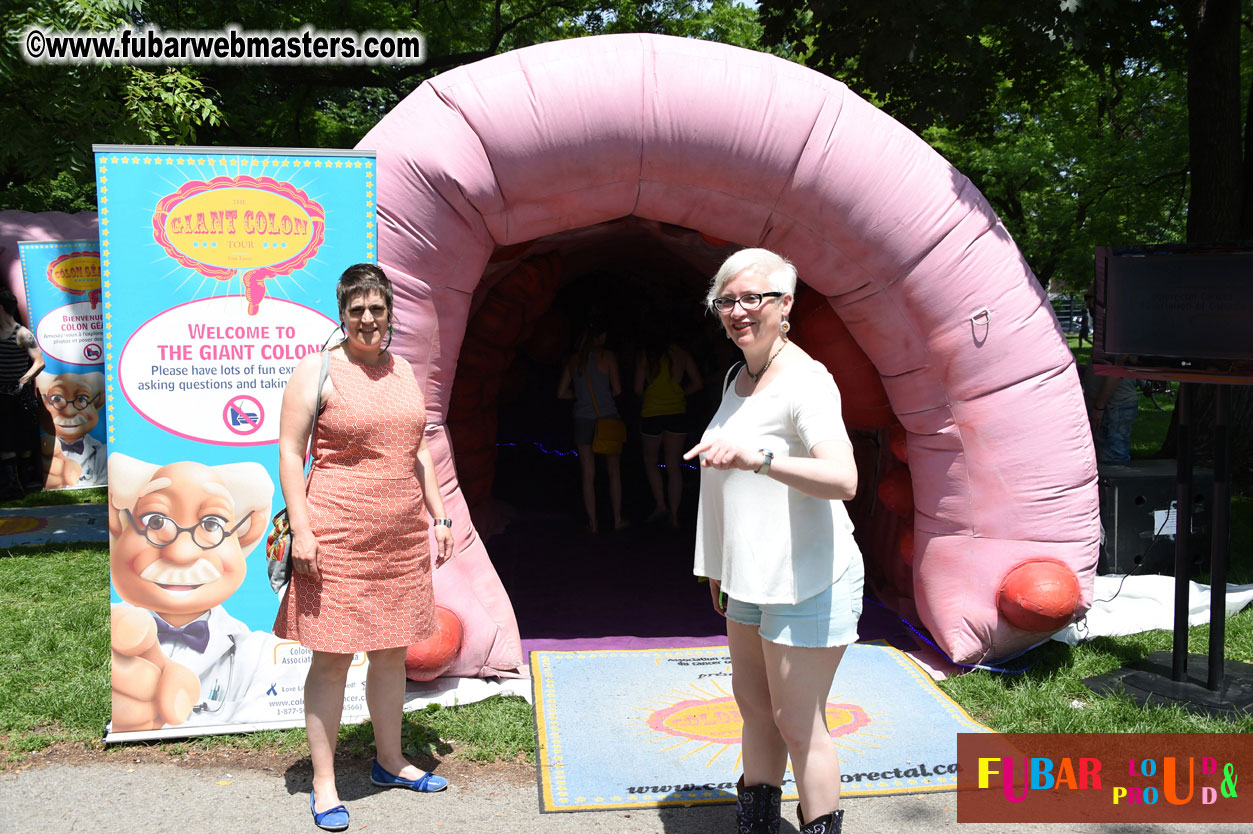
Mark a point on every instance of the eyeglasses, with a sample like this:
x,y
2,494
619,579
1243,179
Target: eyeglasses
x,y
751,301
59,403
161,531
377,311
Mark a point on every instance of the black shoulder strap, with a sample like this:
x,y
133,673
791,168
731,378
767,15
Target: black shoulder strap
x,y
735,369
325,371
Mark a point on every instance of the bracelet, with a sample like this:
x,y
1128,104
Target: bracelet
x,y
442,522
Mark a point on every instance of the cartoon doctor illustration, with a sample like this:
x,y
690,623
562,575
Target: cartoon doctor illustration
x,y
72,403
179,536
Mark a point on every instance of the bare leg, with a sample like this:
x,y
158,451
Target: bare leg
x,y
765,753
614,463
674,444
324,705
587,469
650,445
385,696
800,681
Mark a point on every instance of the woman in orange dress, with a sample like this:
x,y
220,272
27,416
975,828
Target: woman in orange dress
x,y
361,578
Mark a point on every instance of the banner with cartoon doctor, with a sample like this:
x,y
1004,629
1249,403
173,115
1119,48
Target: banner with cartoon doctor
x,y
218,270
63,297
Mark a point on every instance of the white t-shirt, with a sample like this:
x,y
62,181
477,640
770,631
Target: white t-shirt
x,y
767,542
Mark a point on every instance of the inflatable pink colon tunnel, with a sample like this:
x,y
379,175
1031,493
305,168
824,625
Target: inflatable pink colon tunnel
x,y
499,181
977,506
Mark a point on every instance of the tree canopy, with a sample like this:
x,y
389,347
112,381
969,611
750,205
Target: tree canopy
x,y
59,111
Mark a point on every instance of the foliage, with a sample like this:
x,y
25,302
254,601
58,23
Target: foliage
x,y
1094,161
56,112
62,110
1072,128
947,62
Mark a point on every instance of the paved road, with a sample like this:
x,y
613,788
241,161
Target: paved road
x,y
169,799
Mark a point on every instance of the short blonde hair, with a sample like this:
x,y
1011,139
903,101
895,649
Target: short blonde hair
x,y
777,270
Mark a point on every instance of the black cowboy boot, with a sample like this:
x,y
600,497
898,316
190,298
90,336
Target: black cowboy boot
x,y
757,808
825,824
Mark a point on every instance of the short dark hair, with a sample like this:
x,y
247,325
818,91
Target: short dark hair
x,y
360,279
8,301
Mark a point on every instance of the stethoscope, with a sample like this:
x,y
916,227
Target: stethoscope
x,y
217,696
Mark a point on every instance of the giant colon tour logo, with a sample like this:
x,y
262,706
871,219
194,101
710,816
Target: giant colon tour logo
x,y
72,333
256,226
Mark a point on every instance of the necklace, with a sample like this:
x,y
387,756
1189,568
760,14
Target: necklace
x,y
758,375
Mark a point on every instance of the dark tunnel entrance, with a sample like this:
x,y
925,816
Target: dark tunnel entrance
x,y
512,440
563,581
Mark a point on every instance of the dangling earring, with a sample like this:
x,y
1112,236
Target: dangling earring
x,y
390,334
784,327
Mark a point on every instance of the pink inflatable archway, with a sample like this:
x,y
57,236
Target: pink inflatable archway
x,y
993,489
16,226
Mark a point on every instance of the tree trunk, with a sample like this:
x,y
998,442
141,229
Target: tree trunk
x,y
1212,28
1219,193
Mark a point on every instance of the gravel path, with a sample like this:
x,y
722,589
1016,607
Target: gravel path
x,y
157,798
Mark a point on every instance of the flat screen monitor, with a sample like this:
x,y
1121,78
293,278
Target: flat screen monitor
x,y
1179,312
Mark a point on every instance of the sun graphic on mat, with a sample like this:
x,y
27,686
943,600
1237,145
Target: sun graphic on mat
x,y
707,719
15,525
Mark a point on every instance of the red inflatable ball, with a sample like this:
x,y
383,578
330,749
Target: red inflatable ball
x,y
906,544
896,492
896,439
432,657
1039,596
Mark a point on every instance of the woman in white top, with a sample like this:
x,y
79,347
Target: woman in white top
x,y
776,543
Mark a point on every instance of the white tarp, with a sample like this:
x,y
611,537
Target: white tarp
x,y
1131,604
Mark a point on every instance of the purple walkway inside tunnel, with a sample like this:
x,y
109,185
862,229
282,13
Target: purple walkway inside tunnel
x,y
576,591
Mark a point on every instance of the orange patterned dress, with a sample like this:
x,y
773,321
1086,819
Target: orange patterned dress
x,y
368,516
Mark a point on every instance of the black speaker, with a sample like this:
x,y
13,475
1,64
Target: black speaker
x,y
1138,517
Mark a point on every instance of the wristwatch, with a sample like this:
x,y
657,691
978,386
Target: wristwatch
x,y
765,464
442,522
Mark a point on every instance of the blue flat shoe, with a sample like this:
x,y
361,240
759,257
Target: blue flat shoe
x,y
429,783
335,819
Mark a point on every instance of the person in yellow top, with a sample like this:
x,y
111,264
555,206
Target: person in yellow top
x,y
664,375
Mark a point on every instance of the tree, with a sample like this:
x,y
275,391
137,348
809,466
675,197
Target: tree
x,y
61,110
963,65
1091,161
54,112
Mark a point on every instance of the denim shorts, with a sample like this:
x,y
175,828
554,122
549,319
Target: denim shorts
x,y
821,621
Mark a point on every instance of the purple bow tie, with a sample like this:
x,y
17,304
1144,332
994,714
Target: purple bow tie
x,y
195,635
76,447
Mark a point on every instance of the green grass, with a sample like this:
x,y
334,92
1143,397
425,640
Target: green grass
x,y
54,668
95,495
54,686
54,646
1050,696
54,674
